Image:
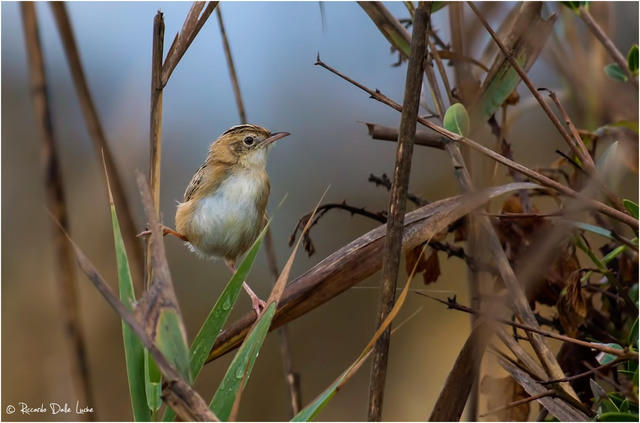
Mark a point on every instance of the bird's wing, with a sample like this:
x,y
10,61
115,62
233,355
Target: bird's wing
x,y
195,182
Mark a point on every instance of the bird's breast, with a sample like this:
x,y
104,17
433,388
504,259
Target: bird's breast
x,y
229,219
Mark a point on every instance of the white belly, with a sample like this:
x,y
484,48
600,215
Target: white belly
x,y
229,219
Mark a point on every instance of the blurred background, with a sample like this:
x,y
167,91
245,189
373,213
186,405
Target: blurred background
x,y
274,46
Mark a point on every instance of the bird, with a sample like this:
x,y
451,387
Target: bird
x,y
223,210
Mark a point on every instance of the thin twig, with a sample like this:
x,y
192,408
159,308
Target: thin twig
x,y
386,182
232,69
586,373
96,132
55,199
453,304
397,206
518,403
536,176
613,51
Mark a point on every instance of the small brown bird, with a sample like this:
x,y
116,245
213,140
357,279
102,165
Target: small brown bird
x,y
224,205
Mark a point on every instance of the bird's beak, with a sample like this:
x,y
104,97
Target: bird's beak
x,y
273,138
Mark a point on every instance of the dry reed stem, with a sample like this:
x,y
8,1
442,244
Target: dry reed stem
x,y
96,132
55,201
397,207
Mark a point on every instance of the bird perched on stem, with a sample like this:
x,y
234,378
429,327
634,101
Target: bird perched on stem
x,y
224,205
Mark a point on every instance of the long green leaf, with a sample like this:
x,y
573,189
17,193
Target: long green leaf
x,y
240,369
220,313
221,310
153,382
133,349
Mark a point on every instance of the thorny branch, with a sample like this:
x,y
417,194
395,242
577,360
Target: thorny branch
x,y
453,304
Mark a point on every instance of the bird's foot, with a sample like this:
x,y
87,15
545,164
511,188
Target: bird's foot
x,y
165,231
257,304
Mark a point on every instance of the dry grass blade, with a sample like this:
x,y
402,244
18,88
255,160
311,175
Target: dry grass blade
x,y
453,397
397,207
98,137
356,261
189,405
55,200
556,406
390,27
190,28
158,308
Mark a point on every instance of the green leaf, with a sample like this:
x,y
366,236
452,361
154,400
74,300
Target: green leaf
x,y
595,229
631,207
171,342
632,59
574,5
614,72
615,416
153,382
456,119
240,369
133,349
605,358
437,5
220,313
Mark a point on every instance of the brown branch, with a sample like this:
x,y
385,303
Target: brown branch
x,y
386,182
585,373
453,396
453,304
387,133
190,28
96,132
397,206
613,51
55,200
518,403
322,210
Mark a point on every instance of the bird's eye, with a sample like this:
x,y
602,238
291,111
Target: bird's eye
x,y
248,141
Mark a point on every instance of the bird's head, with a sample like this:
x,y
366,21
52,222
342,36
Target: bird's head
x,y
245,145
